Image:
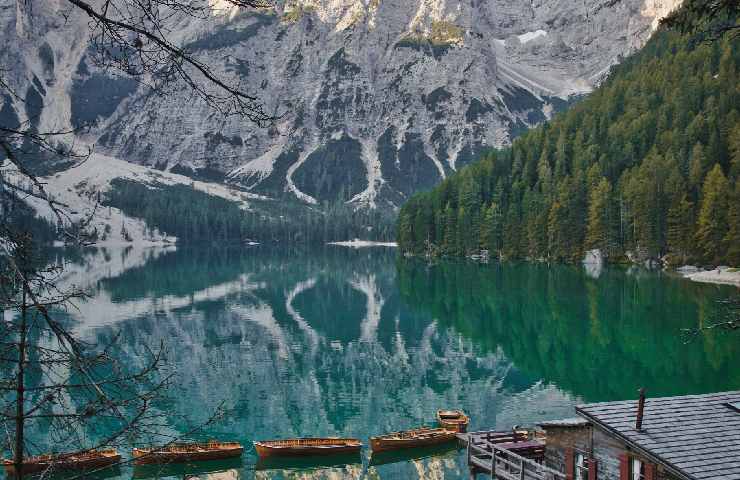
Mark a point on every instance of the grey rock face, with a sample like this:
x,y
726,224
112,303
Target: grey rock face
x,y
376,98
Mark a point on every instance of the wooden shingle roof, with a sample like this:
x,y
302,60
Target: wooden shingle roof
x,y
694,436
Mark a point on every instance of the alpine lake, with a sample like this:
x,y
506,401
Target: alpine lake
x,y
346,342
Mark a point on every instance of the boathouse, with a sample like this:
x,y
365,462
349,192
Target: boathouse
x,y
694,437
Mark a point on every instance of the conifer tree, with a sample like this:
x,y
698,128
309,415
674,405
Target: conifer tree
x,y
462,244
449,245
512,247
712,221
556,231
680,228
491,230
599,217
732,238
405,235
734,147
697,166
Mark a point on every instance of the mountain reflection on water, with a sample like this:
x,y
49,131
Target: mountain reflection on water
x,y
335,341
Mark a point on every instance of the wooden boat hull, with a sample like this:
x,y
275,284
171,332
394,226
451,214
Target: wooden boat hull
x,y
414,439
279,448
459,423
63,463
148,457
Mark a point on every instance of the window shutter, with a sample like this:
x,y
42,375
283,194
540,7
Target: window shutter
x,y
624,467
591,469
570,463
650,471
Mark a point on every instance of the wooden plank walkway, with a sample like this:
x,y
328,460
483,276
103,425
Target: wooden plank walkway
x,y
506,456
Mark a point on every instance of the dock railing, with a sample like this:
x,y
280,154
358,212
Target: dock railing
x,y
488,457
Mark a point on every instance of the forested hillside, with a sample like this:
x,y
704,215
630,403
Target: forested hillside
x,y
647,167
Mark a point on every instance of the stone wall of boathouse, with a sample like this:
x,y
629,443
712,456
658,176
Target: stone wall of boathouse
x,y
595,443
562,438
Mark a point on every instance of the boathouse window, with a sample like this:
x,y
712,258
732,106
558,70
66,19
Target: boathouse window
x,y
581,472
579,465
631,468
637,469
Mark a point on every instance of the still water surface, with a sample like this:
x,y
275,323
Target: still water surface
x,y
339,342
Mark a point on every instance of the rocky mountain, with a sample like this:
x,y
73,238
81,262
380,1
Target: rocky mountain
x,y
376,98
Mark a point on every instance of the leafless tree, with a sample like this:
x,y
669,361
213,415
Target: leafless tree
x,y
78,394
132,37
50,381
70,396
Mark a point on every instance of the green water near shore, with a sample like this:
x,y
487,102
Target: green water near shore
x,y
342,342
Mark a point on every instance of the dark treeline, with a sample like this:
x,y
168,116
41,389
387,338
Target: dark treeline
x,y
19,218
194,216
648,163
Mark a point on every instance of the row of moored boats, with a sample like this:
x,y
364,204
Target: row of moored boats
x,y
450,422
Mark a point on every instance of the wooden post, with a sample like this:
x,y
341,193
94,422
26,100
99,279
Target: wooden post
x,y
493,461
592,466
624,467
570,463
521,469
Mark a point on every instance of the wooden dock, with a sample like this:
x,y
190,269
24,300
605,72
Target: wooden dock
x,y
507,456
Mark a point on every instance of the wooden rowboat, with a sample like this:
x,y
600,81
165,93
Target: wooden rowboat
x,y
453,420
86,460
187,452
307,446
420,437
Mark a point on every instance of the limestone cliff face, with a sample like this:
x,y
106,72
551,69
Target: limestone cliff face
x,y
376,98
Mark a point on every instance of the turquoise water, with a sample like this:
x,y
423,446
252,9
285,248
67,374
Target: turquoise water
x,y
339,342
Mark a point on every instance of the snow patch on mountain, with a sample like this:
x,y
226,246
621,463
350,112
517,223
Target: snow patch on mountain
x,y
257,169
374,174
97,172
292,186
83,187
526,37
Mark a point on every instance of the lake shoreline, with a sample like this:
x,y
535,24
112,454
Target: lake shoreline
x,y
356,243
720,276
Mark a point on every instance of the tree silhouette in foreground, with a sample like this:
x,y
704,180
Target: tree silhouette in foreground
x,y
54,385
57,393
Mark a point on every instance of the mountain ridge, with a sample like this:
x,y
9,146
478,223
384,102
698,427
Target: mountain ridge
x,y
380,98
